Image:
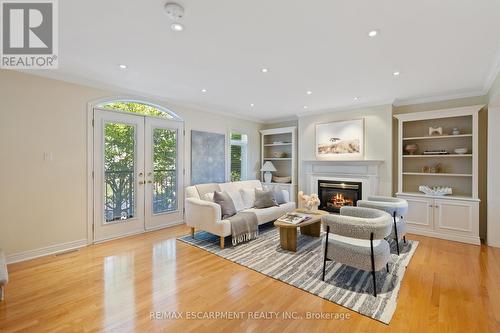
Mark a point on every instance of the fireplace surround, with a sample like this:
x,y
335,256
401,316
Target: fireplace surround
x,y
336,194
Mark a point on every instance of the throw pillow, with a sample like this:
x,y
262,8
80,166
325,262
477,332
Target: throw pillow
x,y
239,205
264,199
248,196
278,194
208,197
226,204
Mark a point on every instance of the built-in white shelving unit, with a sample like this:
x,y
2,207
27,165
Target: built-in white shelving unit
x,y
281,140
453,217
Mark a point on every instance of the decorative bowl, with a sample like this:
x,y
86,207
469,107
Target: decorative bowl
x,y
280,154
435,190
278,179
411,148
461,151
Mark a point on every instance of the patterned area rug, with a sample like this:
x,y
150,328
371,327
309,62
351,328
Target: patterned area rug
x,y
344,285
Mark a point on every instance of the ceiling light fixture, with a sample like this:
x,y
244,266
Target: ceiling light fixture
x,y
396,73
356,98
123,66
264,70
177,27
373,33
252,105
203,90
309,92
305,106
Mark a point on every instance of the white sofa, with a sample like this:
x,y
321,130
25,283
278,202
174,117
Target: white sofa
x,y
202,213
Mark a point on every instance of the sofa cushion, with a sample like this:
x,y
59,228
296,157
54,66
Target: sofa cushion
x,y
248,196
226,204
265,215
207,188
264,199
209,197
237,200
278,194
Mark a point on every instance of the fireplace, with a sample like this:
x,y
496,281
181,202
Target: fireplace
x,y
336,194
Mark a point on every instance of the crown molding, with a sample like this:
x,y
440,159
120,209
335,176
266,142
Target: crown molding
x,y
120,91
281,119
494,72
439,98
345,108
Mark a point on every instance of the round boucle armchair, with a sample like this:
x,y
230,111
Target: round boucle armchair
x,y
356,238
396,207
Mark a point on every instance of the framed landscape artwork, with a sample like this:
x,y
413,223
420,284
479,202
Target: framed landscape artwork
x,y
340,140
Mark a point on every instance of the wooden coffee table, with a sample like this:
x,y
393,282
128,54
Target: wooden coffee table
x,y
288,232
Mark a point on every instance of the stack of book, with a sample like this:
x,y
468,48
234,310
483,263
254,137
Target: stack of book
x,y
294,218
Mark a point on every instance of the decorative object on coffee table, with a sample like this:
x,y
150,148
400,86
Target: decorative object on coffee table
x,y
411,148
440,191
268,167
310,202
288,232
435,131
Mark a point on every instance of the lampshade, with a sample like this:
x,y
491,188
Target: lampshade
x,y
268,166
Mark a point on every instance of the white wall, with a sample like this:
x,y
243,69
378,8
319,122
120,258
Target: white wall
x,y
43,203
378,138
493,237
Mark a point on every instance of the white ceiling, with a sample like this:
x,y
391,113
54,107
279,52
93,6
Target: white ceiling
x,y
441,48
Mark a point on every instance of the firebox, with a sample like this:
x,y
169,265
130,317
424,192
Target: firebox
x,y
336,194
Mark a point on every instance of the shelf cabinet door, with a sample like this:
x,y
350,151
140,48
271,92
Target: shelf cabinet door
x,y
420,212
457,217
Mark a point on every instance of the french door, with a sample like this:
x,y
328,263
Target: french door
x,y
138,173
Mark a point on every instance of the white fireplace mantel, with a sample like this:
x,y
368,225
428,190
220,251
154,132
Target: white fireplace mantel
x,y
364,171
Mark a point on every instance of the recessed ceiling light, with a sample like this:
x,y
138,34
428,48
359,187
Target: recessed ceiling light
x,y
305,106
177,27
396,73
356,98
373,33
252,105
309,92
123,66
264,70
203,90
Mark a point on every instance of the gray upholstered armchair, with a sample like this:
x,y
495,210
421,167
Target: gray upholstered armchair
x,y
356,238
394,206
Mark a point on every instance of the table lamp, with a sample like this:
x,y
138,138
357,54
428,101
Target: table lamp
x,y
268,167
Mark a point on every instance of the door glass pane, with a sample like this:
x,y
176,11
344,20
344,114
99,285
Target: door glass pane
x,y
164,170
119,172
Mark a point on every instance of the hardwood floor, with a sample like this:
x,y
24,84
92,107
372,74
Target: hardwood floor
x,y
114,287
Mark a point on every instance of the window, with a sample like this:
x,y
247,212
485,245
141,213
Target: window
x,y
238,146
136,107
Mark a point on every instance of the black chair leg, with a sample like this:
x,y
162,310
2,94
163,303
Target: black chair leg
x,y
396,232
387,267
373,266
404,239
326,249
374,284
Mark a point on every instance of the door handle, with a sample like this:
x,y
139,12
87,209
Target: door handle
x,y
150,181
141,182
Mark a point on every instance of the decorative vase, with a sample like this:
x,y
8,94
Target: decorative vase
x,y
411,148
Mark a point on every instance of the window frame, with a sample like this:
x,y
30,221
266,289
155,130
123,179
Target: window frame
x,y
244,153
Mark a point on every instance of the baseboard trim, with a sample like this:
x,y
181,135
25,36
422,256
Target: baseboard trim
x,y
166,225
45,251
456,238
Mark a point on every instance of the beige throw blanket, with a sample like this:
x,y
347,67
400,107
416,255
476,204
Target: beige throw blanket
x,y
244,227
